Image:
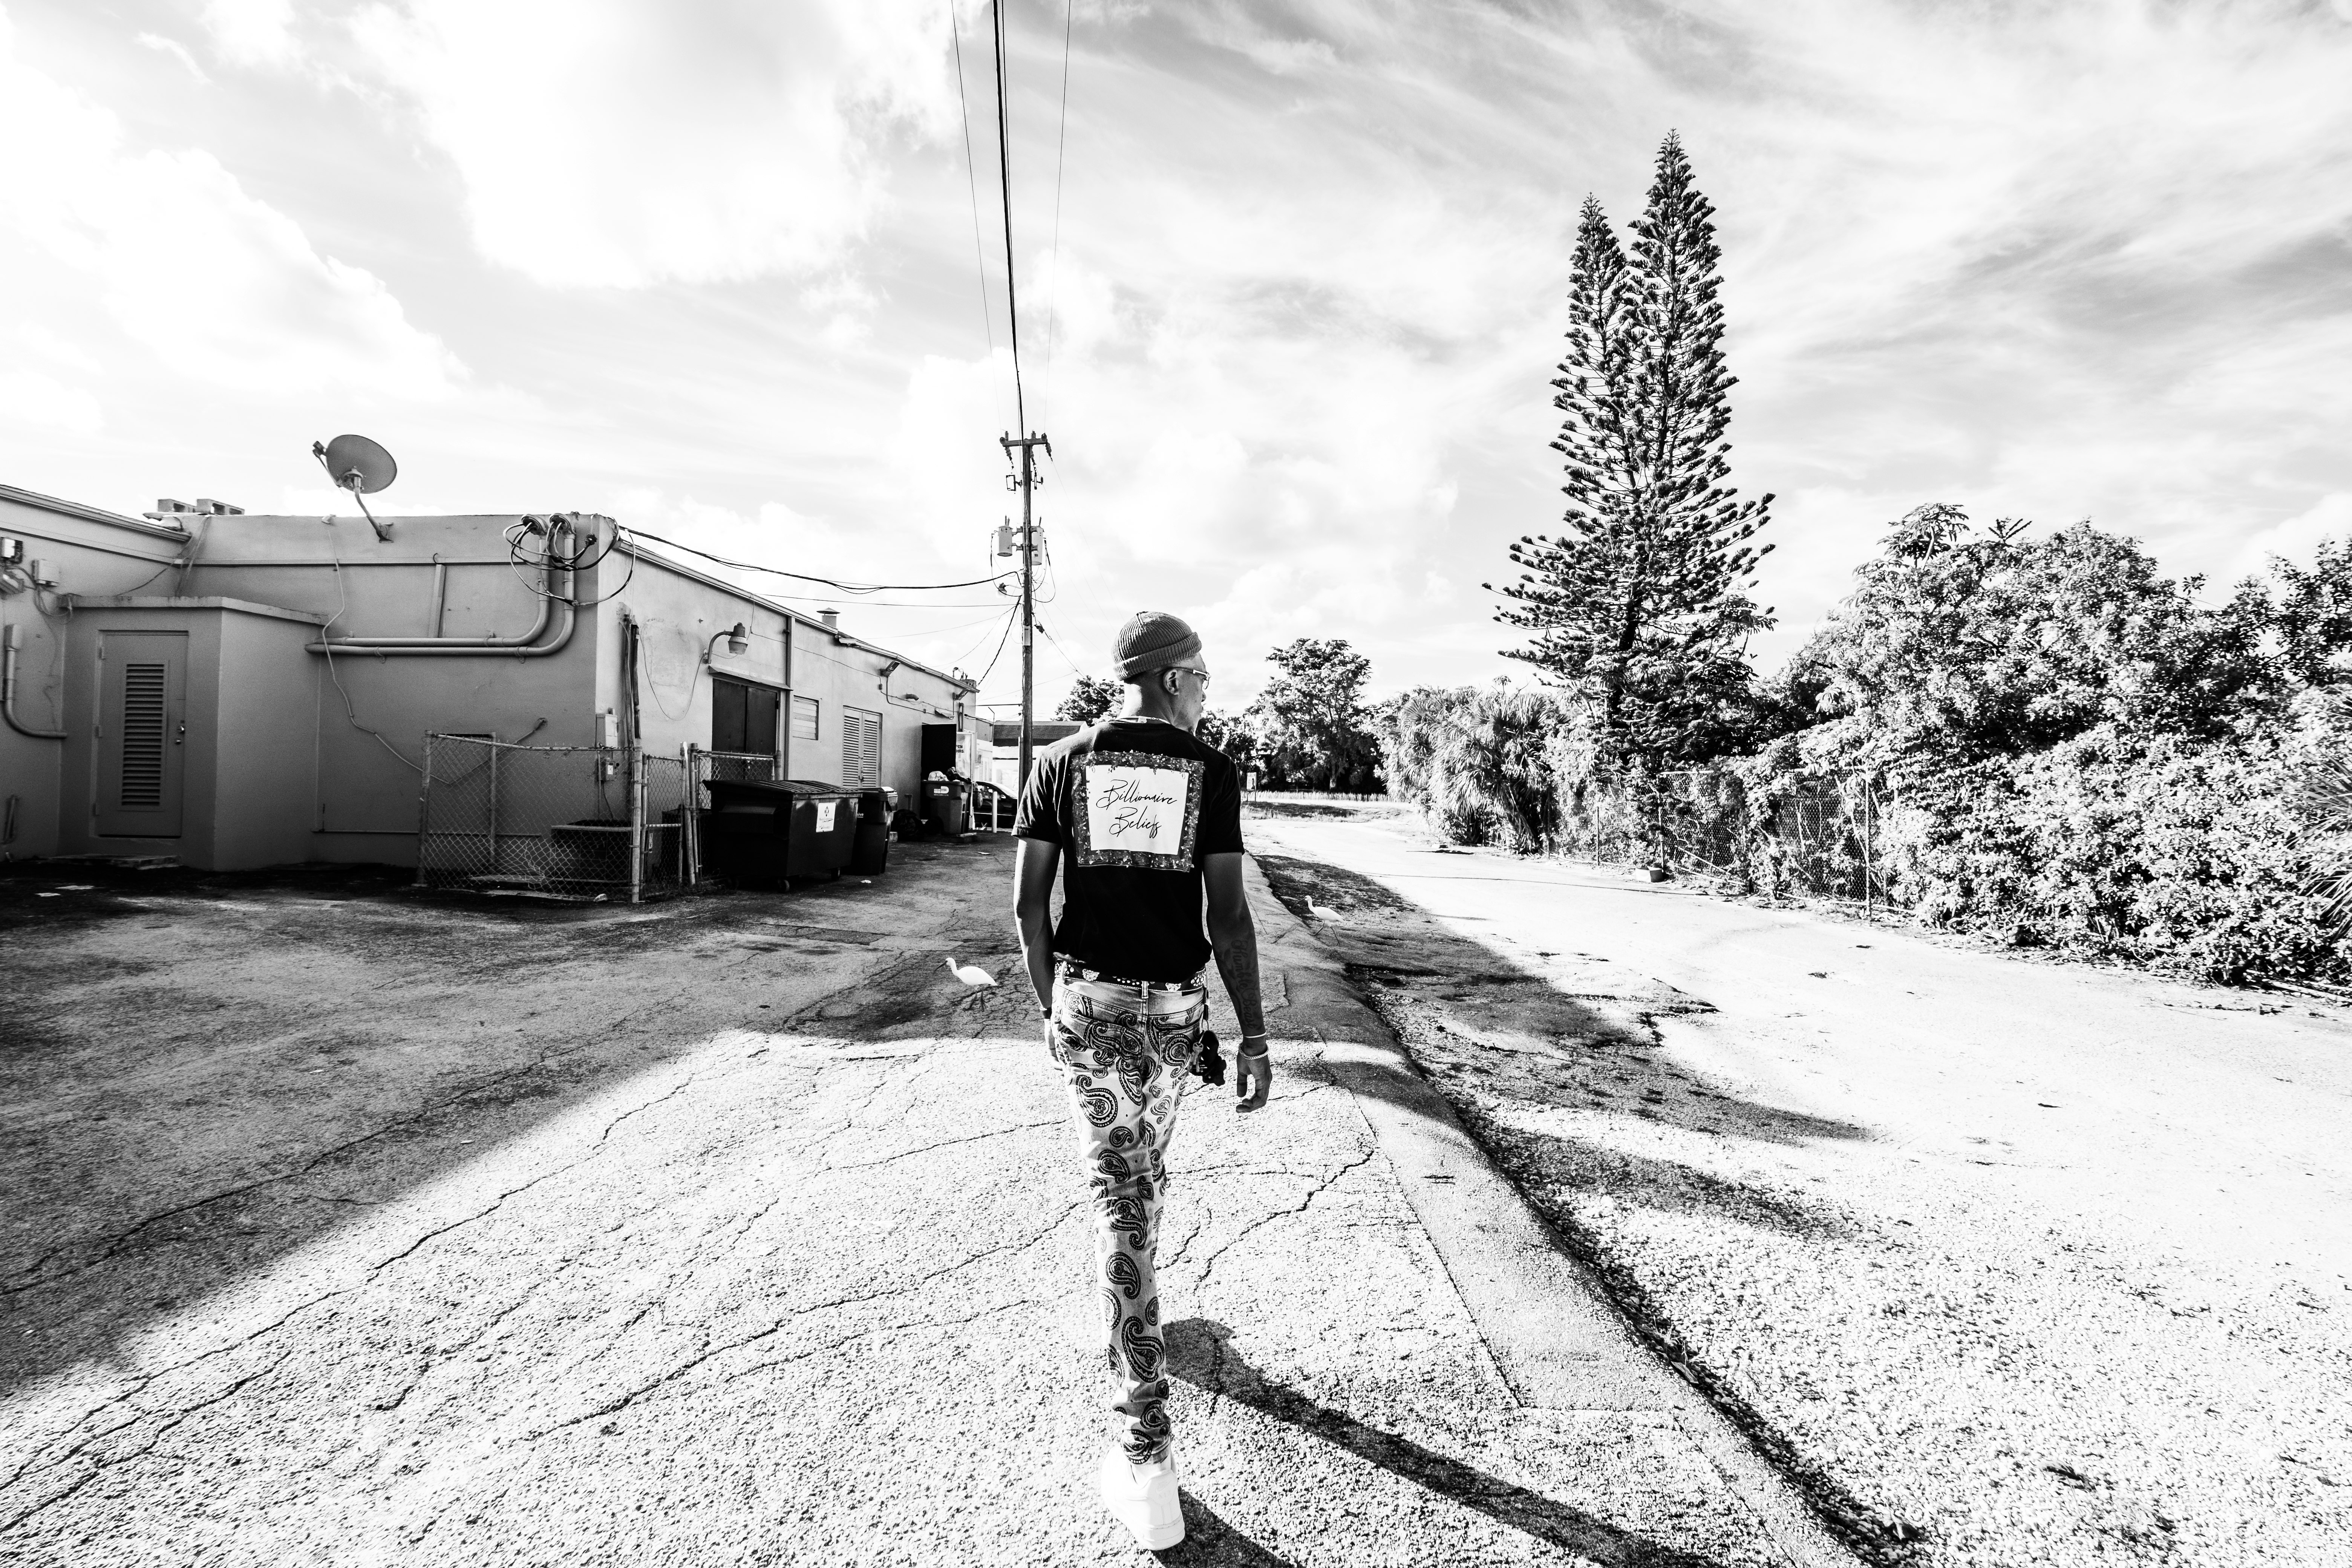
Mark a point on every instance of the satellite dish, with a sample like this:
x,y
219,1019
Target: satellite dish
x,y
358,465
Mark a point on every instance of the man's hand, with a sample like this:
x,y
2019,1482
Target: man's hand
x,y
1233,936
1253,1076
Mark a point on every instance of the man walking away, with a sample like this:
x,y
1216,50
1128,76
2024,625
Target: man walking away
x,y
1150,819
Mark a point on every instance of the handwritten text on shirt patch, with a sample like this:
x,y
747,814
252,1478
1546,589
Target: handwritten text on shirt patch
x,y
1138,809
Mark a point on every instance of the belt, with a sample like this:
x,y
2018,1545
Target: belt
x,y
1070,968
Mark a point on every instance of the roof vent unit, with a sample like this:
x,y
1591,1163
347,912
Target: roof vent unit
x,y
211,508
832,619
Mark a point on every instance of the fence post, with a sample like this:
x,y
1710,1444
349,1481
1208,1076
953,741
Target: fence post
x,y
637,756
494,810
425,810
1869,839
689,819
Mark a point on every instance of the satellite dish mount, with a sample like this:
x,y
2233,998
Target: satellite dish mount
x,y
358,465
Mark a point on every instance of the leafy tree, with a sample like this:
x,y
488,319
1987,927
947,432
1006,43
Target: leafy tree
x,y
2312,617
1957,646
1231,734
1092,698
1310,721
1638,605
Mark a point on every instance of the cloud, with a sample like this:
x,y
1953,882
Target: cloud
x,y
251,31
216,284
42,401
176,50
2297,538
608,143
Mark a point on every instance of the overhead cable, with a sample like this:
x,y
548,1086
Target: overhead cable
x,y
1061,144
972,180
813,577
1004,174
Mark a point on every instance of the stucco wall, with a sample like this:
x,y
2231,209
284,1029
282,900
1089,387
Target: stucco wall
x,y
245,759
88,556
331,749
266,769
680,615
362,805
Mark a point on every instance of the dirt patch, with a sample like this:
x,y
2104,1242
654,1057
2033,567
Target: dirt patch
x,y
1500,1040
1293,808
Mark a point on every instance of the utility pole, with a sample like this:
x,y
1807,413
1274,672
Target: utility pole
x,y
1025,481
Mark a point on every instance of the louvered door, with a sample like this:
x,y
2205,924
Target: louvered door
x,y
142,733
861,748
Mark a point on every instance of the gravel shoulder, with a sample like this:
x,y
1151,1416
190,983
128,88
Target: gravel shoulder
x,y
2008,1264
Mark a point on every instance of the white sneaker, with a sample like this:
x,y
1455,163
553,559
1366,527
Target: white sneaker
x,y
1143,1499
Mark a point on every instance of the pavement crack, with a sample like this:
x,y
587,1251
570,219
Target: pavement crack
x,y
708,1351
944,1143
37,1273
1209,1264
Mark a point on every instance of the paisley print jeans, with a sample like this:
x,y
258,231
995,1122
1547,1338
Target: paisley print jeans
x,y
1127,1054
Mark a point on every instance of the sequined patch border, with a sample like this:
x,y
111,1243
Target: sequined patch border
x,y
1195,770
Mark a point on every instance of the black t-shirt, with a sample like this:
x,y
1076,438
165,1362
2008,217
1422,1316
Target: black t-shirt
x,y
1136,805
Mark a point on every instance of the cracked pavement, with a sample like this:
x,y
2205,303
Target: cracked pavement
x,y
347,1226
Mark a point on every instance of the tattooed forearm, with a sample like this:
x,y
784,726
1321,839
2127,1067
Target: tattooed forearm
x,y
1235,940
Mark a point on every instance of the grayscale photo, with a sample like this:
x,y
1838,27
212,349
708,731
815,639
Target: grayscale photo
x,y
1245,784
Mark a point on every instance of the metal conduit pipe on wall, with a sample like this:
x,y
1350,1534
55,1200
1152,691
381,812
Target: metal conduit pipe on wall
x,y
527,646
8,690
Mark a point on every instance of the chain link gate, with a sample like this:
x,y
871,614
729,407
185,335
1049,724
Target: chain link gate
x,y
588,822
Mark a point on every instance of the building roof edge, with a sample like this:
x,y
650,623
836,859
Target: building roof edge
x,y
90,513
644,552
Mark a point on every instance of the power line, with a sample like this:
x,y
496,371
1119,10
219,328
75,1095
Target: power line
x,y
972,181
983,639
1061,144
1000,651
813,577
1062,651
1004,174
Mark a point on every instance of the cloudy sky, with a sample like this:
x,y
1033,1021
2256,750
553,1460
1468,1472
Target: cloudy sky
x,y
710,265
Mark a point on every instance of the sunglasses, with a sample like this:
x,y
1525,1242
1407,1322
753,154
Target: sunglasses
x,y
1188,669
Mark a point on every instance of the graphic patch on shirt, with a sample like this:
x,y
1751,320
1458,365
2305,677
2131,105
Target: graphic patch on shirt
x,y
1138,809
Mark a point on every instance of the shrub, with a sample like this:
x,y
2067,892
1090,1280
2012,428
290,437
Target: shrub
x,y
2190,856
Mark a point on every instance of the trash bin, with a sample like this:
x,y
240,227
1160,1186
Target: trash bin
x,y
871,854
945,800
767,835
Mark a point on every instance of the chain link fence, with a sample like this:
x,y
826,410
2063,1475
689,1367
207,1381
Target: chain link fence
x,y
732,767
585,822
1818,834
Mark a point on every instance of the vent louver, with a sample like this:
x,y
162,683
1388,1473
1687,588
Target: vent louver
x,y
143,736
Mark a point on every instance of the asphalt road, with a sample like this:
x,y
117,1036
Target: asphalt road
x,y
2050,1262
343,1228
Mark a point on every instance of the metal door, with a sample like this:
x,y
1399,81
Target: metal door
x,y
142,732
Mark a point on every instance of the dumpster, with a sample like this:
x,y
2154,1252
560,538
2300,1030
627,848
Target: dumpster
x,y
768,835
945,798
871,855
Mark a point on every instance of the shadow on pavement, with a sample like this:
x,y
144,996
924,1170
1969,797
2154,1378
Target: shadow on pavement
x,y
1210,1543
1487,1031
1201,1350
201,1072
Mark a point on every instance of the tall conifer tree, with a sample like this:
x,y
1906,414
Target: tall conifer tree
x,y
1639,601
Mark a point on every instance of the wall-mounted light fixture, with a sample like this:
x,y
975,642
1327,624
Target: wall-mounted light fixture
x,y
739,641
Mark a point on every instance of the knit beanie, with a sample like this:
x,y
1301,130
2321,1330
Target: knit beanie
x,y
1151,640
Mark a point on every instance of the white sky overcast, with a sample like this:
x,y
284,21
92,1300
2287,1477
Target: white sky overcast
x,y
709,266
